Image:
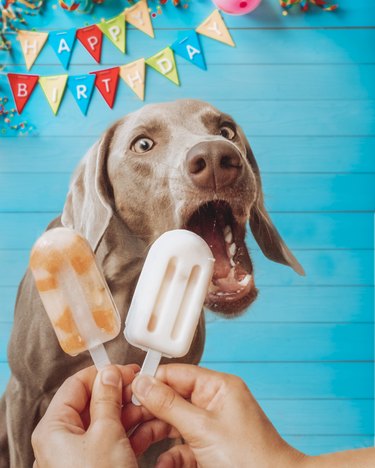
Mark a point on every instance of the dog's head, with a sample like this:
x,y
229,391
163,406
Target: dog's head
x,y
186,165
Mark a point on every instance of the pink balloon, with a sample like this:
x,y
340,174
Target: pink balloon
x,y
237,7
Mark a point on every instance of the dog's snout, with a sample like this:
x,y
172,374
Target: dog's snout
x,y
214,165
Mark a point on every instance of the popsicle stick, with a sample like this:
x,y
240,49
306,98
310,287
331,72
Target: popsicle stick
x,y
149,367
99,356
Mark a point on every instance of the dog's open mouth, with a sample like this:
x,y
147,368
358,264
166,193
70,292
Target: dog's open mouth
x,y
232,288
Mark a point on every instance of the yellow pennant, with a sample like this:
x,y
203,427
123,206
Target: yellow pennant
x,y
214,27
139,17
164,63
53,87
134,76
31,44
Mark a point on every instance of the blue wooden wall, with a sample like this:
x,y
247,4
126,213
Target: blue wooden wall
x,y
302,87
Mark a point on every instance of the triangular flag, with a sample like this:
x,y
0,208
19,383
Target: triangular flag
x,y
81,86
164,63
114,29
22,87
134,76
91,38
189,48
106,81
214,27
62,42
31,43
139,17
53,87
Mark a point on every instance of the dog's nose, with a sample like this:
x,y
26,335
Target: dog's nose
x,y
213,165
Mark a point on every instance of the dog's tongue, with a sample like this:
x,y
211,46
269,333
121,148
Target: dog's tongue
x,y
212,231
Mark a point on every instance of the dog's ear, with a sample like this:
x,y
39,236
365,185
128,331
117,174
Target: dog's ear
x,y
263,229
88,206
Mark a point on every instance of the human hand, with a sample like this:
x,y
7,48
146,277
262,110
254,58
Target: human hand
x,y
216,415
85,422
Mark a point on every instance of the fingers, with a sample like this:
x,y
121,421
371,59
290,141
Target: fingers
x,y
106,399
176,457
149,433
166,404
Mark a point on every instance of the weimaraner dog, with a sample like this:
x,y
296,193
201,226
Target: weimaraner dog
x,y
182,164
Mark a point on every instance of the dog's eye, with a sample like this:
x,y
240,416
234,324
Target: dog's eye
x,y
227,132
142,145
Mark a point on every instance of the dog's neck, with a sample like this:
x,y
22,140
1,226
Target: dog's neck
x,y
121,255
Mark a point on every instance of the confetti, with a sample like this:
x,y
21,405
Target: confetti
x,y
8,122
12,15
304,5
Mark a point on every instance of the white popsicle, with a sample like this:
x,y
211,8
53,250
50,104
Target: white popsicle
x,y
169,296
74,293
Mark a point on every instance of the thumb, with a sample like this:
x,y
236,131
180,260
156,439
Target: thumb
x,y
166,404
106,398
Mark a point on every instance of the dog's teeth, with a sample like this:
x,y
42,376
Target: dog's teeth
x,y
245,281
232,249
228,236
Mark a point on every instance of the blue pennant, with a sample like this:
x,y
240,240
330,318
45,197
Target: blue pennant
x,y
62,43
81,86
189,47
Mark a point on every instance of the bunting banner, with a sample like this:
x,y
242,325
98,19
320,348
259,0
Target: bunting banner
x,y
114,29
82,86
134,76
139,17
214,27
31,44
53,87
22,87
187,46
106,82
164,63
62,43
91,38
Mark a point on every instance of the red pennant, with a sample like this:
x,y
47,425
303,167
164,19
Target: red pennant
x,y
106,82
22,87
91,38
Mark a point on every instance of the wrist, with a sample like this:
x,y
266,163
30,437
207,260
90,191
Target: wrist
x,y
292,458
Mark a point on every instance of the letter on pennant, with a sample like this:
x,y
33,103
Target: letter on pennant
x,y
31,44
214,27
134,76
22,87
106,81
91,38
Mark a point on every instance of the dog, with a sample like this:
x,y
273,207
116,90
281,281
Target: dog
x,y
182,164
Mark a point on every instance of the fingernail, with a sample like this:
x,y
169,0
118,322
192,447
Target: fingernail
x,y
142,385
109,376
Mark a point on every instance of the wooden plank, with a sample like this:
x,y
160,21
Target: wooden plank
x,y
326,267
267,15
275,342
45,192
300,230
303,380
308,304
256,46
267,82
274,154
303,304
288,342
321,417
257,117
